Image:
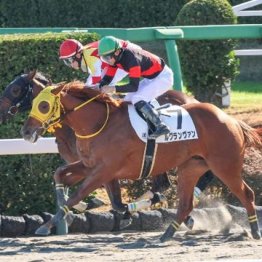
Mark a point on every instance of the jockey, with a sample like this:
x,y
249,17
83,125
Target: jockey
x,y
86,58
157,78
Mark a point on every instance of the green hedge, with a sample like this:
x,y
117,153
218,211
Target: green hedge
x,y
207,64
99,13
26,180
21,52
87,13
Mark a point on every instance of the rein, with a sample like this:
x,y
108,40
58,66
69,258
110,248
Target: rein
x,y
51,127
103,126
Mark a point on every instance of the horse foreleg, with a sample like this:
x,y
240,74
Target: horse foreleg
x,y
62,177
147,200
160,183
114,194
94,178
151,197
65,175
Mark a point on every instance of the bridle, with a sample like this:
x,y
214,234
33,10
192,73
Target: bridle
x,y
23,101
52,119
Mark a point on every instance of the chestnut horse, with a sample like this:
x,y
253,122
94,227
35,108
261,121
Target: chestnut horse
x,y
18,96
106,141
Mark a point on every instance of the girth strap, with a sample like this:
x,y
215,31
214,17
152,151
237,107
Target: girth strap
x,y
148,158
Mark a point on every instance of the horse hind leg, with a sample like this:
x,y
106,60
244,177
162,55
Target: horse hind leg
x,y
188,175
201,185
245,195
161,183
249,202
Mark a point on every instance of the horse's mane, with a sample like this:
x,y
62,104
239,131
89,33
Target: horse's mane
x,y
39,76
78,89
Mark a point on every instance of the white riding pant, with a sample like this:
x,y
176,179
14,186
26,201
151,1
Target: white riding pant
x,y
149,89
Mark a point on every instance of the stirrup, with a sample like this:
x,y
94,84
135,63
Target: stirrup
x,y
161,130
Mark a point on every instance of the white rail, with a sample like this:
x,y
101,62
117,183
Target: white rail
x,y
239,10
248,52
20,146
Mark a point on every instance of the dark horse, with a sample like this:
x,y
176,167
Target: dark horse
x,y
110,143
18,96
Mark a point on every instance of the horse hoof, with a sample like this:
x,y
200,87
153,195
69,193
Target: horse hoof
x,y
189,222
125,223
43,231
168,234
69,218
256,235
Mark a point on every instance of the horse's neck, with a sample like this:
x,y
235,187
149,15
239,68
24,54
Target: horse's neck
x,y
83,118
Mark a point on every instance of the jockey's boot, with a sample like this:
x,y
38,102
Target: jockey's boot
x,y
152,116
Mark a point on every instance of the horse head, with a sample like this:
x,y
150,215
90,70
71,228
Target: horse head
x,y
18,95
55,103
46,110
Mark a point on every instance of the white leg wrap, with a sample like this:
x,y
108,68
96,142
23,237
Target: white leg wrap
x,y
139,205
81,206
148,195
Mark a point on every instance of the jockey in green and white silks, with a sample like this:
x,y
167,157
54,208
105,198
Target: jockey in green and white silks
x,y
138,63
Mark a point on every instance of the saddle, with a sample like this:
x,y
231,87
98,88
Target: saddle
x,y
175,117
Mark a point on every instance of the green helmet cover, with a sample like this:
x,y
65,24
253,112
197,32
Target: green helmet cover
x,y
108,45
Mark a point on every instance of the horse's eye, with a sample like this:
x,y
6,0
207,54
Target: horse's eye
x,y
15,91
43,107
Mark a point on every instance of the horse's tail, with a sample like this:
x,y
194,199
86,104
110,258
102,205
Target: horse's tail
x,y
252,136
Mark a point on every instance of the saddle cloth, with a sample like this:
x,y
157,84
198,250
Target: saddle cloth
x,y
176,118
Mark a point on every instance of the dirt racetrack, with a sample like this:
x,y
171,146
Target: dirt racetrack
x,y
196,246
221,234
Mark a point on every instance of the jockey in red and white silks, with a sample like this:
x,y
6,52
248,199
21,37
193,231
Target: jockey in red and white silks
x,y
86,58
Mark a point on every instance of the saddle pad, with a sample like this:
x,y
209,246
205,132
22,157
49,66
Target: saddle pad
x,y
176,118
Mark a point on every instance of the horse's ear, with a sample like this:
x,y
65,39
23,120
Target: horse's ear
x,y
31,74
58,88
50,82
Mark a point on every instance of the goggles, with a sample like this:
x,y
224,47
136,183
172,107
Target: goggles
x,y
68,61
107,58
